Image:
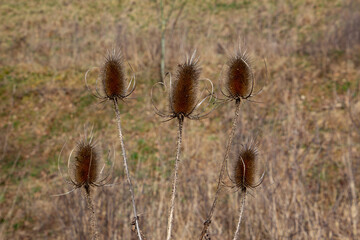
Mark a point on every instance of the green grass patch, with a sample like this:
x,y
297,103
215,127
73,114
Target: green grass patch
x,y
343,87
84,102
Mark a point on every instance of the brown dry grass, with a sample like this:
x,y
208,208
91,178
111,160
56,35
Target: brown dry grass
x,y
308,143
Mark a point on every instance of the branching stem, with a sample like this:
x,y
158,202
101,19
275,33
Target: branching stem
x,y
117,112
228,146
172,201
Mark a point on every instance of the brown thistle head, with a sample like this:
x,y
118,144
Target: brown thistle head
x,y
84,170
239,78
86,165
114,84
247,172
112,76
184,96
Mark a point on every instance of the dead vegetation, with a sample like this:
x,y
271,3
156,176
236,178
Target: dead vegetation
x,y
308,142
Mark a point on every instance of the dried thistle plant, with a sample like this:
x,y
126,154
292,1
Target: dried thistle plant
x,y
239,82
113,78
184,101
115,87
183,92
84,172
245,173
239,85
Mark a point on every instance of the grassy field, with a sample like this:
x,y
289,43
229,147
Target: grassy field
x,y
309,143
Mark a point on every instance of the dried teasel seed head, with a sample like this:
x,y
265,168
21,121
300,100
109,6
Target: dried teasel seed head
x,y
239,80
84,169
86,165
183,96
247,172
113,77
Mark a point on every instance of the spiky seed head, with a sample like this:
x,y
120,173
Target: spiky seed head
x,y
247,170
239,76
183,98
113,77
86,164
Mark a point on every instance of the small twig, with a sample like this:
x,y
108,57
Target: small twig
x,y
178,15
243,192
133,227
172,7
172,202
231,136
117,112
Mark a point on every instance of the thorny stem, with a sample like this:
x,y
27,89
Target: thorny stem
x,y
90,204
172,203
243,192
231,136
117,112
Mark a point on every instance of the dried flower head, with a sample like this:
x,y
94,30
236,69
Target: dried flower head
x,y
113,77
184,92
239,83
246,169
114,84
184,97
84,169
86,165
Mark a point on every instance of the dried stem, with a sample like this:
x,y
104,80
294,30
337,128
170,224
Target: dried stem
x,y
90,204
231,136
162,41
117,112
243,192
353,207
172,203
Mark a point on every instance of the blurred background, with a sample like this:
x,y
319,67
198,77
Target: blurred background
x,y
306,119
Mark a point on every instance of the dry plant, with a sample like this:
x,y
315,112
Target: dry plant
x,y
349,164
245,173
239,85
84,172
184,102
313,49
114,87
